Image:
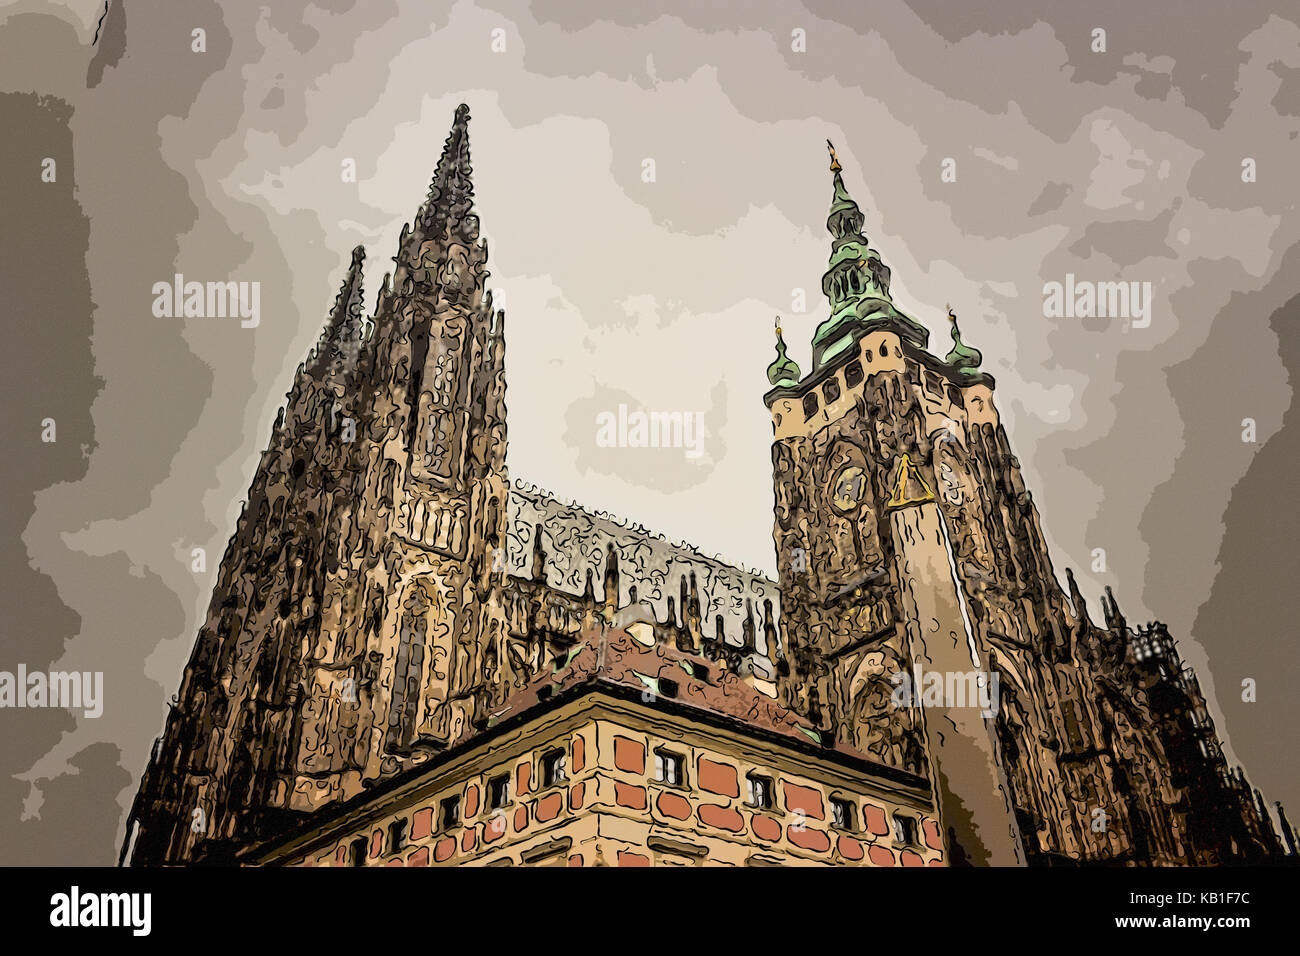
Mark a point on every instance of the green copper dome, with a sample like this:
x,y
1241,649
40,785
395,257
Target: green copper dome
x,y
856,281
783,371
962,356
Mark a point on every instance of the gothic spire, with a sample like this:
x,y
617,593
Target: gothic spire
x,y
340,342
856,281
845,219
451,194
783,371
1076,599
1115,619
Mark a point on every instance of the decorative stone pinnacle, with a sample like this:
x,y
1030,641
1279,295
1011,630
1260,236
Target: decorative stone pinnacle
x,y
783,371
962,357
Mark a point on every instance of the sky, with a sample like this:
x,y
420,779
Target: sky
x,y
653,183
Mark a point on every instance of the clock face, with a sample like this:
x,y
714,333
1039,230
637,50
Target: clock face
x,y
848,489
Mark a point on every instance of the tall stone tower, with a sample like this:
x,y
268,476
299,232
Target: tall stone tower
x,y
867,581
909,548
352,629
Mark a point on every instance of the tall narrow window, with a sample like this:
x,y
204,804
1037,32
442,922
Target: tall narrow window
x,y
438,400
498,791
387,482
404,709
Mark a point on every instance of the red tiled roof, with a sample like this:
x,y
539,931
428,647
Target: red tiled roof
x,y
611,656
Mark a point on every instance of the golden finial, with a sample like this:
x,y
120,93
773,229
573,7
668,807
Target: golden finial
x,y
778,325
835,160
952,316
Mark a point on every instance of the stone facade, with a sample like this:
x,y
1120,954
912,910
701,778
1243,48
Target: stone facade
x,y
395,624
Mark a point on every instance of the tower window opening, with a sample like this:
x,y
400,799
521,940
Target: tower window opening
x,y
853,373
810,405
831,390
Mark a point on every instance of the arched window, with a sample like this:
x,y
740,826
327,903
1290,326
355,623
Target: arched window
x,y
408,670
437,401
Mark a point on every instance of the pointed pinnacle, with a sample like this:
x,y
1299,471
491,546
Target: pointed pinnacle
x,y
835,160
341,336
451,178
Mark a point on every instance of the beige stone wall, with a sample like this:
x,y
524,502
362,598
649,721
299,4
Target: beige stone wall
x,y
708,820
611,811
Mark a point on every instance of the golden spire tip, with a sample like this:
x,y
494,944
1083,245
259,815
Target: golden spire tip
x,y
835,160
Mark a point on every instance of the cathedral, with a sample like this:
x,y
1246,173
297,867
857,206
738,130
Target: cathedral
x,y
411,659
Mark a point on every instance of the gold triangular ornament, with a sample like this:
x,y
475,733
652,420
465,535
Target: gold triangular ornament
x,y
909,486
